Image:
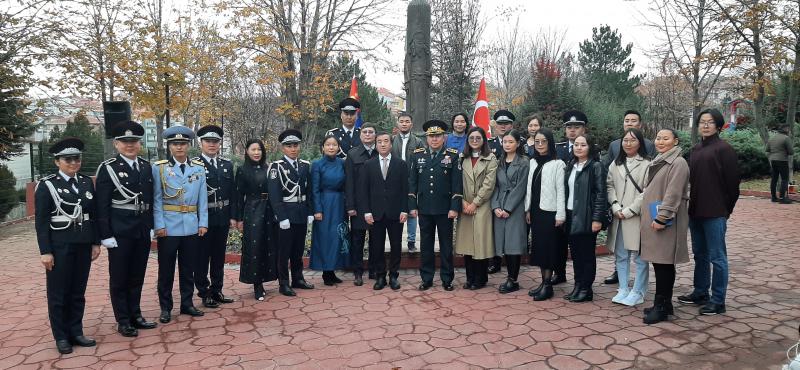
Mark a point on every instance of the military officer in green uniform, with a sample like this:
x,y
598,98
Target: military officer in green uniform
x,y
435,197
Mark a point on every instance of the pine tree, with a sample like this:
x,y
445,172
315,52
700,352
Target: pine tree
x,y
8,192
15,122
79,127
607,64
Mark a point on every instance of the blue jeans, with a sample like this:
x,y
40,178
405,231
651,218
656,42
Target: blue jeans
x,y
411,228
622,260
710,254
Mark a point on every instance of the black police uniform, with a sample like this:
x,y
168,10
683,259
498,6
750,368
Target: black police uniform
x,y
353,169
124,212
289,189
66,229
347,141
435,188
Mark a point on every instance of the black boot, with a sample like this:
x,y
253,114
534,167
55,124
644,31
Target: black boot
x,y
535,291
670,308
259,291
583,295
658,312
545,293
327,279
571,294
509,286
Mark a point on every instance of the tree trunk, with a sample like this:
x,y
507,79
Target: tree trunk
x,y
791,111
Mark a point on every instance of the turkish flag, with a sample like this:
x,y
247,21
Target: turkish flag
x,y
480,117
354,95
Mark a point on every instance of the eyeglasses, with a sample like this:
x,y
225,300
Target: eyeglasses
x,y
706,123
475,138
630,141
539,142
71,159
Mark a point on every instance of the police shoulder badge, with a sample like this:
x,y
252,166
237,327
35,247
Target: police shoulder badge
x,y
89,195
273,174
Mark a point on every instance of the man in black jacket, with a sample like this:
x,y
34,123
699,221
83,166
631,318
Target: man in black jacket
x,y
384,206
220,188
356,158
124,220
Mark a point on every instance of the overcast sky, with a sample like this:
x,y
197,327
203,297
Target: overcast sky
x,y
577,17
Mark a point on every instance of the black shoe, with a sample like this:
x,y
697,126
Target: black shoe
x,y
476,286
380,283
412,246
712,309
221,298
774,200
544,294
88,342
508,287
613,279
141,323
286,290
358,280
558,279
659,312
467,285
448,287
63,347
258,291
371,275
583,295
573,293
669,307
335,278
694,298
493,269
192,311
210,302
127,330
393,283
425,286
785,201
165,317
536,290
302,284
328,282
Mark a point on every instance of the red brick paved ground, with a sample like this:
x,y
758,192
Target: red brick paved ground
x,y
348,326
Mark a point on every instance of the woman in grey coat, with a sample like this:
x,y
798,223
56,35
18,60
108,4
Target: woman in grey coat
x,y
510,236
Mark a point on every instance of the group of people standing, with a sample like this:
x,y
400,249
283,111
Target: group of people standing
x,y
502,191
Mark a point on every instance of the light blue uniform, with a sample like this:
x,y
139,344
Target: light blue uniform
x,y
173,187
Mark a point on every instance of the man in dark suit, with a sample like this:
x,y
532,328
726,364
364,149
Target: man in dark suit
x,y
220,188
289,186
347,135
353,165
403,145
124,220
383,190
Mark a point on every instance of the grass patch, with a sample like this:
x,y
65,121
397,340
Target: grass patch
x,y
762,184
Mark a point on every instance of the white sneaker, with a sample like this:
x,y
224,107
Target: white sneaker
x,y
621,295
633,299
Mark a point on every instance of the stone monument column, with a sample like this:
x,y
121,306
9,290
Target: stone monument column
x,y
418,61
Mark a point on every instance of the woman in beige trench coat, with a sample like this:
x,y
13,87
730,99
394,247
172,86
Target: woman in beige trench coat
x,y
474,230
663,234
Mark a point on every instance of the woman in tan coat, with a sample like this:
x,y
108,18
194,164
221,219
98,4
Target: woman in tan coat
x,y
624,183
665,220
474,231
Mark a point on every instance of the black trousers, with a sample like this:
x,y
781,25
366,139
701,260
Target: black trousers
x,y
780,169
127,264
66,289
513,263
476,270
665,279
357,239
584,262
184,249
377,247
291,245
211,260
428,224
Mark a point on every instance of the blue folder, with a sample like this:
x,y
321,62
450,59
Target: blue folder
x,y
654,211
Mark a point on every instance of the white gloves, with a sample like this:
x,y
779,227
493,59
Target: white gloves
x,y
310,219
284,225
109,243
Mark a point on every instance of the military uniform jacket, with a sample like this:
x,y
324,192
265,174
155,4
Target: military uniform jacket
x,y
353,170
124,199
345,142
496,146
562,151
289,191
173,188
434,183
220,186
64,216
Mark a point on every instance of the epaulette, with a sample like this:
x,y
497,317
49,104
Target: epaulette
x,y
224,159
103,163
197,162
451,150
561,143
419,150
160,162
304,161
48,177
110,160
143,160
331,130
278,161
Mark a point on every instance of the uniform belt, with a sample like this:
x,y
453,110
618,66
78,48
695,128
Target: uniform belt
x,y
62,218
295,198
219,204
133,207
180,208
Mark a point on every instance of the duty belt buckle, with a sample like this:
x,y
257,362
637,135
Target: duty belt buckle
x,y
220,204
184,208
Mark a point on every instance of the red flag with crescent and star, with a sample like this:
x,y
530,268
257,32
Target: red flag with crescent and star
x,y
480,117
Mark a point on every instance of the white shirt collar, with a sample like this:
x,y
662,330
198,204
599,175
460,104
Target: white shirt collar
x,y
178,163
388,157
349,130
129,161
208,159
66,177
291,161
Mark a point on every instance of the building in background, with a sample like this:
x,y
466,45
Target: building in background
x,y
395,102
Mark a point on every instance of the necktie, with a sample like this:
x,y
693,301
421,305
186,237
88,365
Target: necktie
x,y
183,168
433,155
384,167
295,166
73,184
135,167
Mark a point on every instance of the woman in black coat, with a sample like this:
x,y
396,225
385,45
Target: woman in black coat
x,y
587,209
256,220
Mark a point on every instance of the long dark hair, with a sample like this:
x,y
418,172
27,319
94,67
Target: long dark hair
x,y
484,146
263,152
453,119
592,148
621,156
551,145
518,138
